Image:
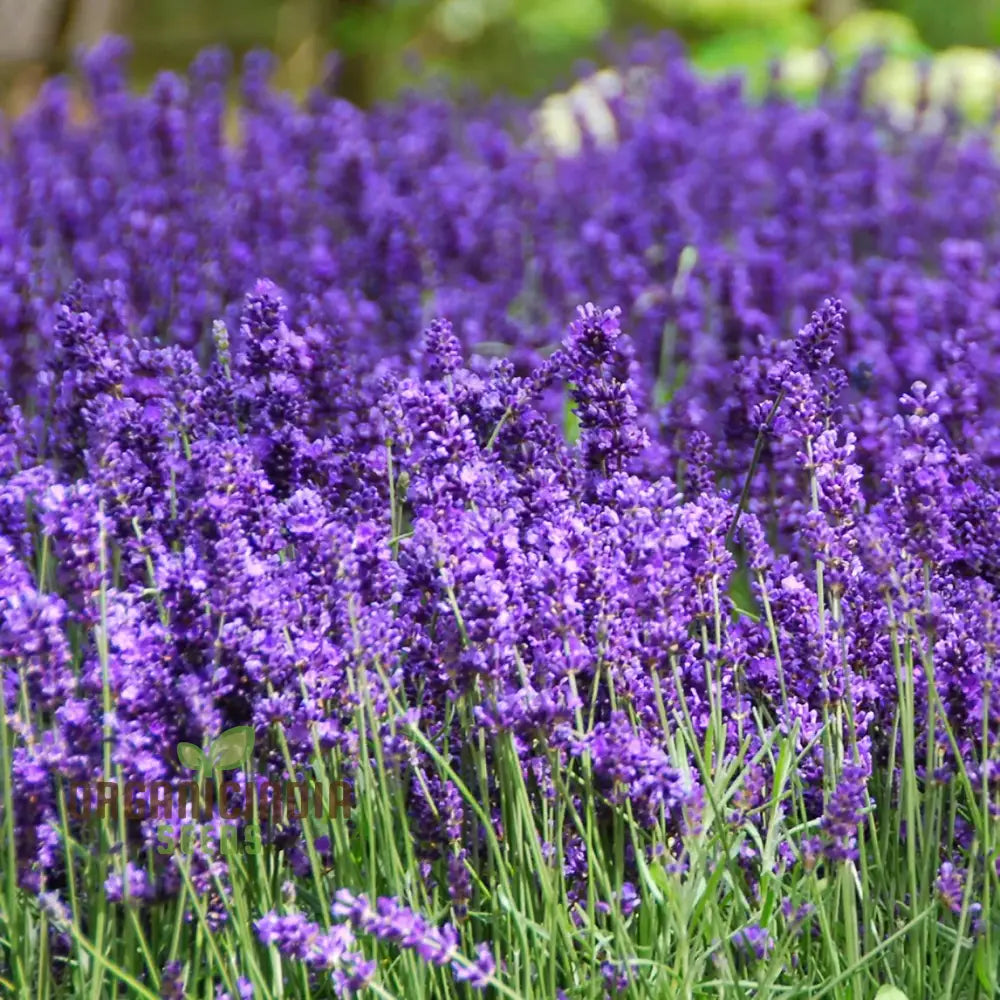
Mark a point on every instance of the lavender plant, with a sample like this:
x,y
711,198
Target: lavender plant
x,y
655,646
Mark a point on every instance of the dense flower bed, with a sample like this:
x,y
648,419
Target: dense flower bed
x,y
614,605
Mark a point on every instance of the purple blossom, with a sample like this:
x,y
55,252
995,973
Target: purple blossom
x,y
844,813
950,885
752,942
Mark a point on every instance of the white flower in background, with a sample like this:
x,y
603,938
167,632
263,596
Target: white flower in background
x,y
803,69
969,76
896,86
564,119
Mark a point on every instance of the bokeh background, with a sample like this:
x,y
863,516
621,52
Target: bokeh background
x,y
524,46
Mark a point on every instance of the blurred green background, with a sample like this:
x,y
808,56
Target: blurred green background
x,y
525,46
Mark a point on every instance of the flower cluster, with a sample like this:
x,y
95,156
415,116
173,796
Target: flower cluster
x,y
297,938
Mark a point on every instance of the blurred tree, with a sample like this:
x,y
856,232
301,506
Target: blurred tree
x,y
38,38
30,32
832,12
371,38
524,46
962,22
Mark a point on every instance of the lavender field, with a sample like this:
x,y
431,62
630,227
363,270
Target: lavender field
x,y
435,565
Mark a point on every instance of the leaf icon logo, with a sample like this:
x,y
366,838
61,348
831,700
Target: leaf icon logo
x,y
231,747
227,750
190,756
